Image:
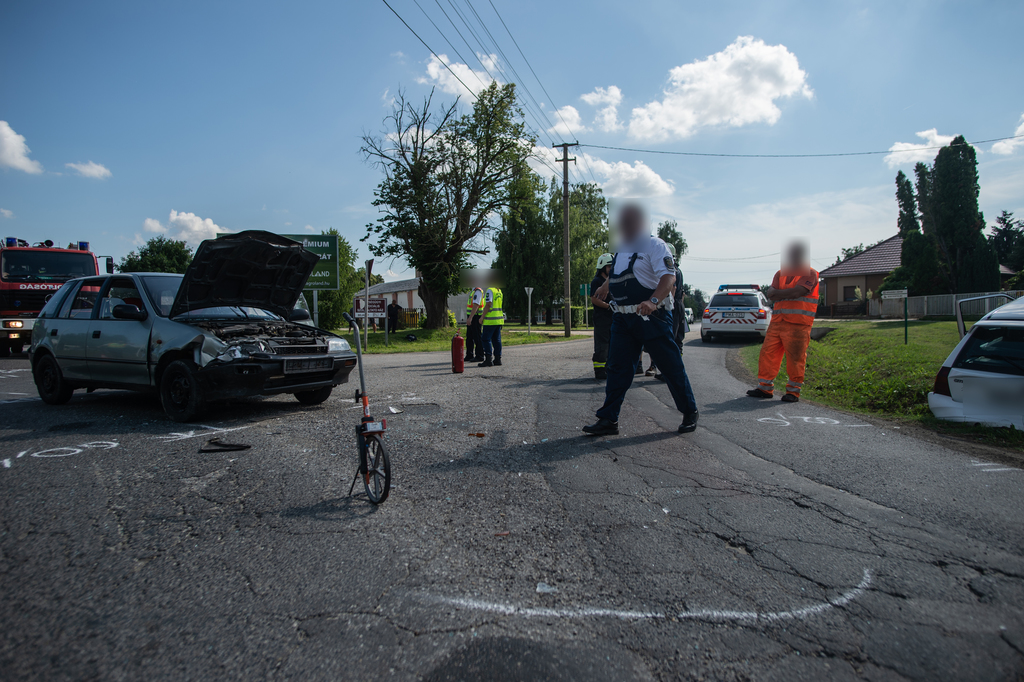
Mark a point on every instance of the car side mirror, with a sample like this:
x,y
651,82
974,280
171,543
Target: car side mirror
x,y
126,311
110,265
298,315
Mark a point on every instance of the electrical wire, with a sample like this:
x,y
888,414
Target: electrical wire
x,y
425,44
789,156
746,258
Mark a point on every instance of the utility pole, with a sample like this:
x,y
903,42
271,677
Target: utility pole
x,y
567,312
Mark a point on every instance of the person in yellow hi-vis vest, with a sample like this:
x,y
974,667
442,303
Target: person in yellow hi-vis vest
x,y
795,293
493,320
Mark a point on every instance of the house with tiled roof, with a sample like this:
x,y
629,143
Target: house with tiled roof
x,y
865,271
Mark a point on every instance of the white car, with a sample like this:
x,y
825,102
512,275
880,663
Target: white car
x,y
982,380
689,315
736,310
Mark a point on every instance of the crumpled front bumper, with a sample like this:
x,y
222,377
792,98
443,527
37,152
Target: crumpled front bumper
x,y
266,376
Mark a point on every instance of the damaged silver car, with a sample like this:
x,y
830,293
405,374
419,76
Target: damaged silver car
x,y
227,328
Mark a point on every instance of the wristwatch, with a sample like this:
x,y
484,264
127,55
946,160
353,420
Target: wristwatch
x,y
654,300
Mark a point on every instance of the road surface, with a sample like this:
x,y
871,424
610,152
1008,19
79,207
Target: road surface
x,y
777,542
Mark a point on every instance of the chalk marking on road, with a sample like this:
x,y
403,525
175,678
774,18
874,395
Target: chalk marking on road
x,y
782,420
19,400
702,614
175,436
65,451
7,464
989,465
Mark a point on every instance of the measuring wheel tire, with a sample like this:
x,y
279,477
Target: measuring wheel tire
x,y
180,393
377,481
314,397
50,383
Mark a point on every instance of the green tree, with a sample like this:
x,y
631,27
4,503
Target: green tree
x,y
907,220
445,176
669,233
967,262
159,254
588,234
528,246
1005,238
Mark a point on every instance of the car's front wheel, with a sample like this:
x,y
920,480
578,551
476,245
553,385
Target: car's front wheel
x,y
314,397
50,383
5,350
180,393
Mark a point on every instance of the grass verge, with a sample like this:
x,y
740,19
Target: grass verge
x,y
864,367
428,340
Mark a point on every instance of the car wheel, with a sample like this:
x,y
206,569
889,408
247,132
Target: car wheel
x,y
50,383
180,394
5,350
706,338
314,397
17,349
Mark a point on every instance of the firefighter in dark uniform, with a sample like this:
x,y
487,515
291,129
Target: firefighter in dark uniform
x,y
602,316
641,285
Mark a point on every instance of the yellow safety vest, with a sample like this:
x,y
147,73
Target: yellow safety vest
x,y
469,303
494,316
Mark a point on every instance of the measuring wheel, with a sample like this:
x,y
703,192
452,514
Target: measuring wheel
x,y
377,480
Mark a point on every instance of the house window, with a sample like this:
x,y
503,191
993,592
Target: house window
x,y
850,293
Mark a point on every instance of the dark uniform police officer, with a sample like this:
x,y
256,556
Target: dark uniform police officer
x,y
641,285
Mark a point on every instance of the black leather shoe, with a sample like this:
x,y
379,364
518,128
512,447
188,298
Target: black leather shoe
x,y
479,358
758,393
497,362
600,375
603,427
790,398
486,363
468,358
689,424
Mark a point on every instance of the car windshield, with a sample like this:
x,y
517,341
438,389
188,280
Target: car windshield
x,y
45,266
994,349
163,288
735,301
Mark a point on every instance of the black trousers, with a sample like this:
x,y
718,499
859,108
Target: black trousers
x,y
602,337
392,324
474,338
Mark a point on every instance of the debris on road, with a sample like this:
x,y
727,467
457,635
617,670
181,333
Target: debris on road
x,y
217,445
501,534
395,410
544,588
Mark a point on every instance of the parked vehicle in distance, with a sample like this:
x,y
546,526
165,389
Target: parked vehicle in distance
x,y
689,315
225,329
736,310
29,275
982,380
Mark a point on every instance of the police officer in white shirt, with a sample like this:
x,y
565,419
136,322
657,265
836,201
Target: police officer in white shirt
x,y
641,285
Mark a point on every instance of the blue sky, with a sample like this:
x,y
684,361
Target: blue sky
x,y
126,120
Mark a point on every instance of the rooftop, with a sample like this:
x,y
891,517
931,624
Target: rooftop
x,y
879,259
394,287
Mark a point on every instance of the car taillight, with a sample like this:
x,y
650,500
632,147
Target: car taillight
x,y
707,312
941,386
762,314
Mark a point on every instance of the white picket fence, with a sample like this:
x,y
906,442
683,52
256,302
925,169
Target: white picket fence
x,y
942,304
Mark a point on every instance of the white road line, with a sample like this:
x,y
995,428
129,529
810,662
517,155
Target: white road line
x,y
988,471
702,614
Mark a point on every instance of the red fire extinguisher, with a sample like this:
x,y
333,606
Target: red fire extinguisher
x,y
458,361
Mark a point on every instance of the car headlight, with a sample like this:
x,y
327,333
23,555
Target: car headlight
x,y
14,324
337,345
229,354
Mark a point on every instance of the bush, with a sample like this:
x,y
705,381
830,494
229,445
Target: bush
x,y
452,320
577,315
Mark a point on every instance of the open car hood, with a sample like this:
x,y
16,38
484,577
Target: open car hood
x,y
253,268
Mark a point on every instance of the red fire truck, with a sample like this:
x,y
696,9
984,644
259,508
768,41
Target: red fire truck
x,y
29,276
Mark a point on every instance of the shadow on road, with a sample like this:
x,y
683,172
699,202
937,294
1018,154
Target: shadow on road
x,y
338,509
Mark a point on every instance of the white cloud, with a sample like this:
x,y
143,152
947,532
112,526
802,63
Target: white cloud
x,y
14,152
90,170
607,118
617,179
310,228
6,213
909,153
441,77
184,227
734,87
567,122
1007,146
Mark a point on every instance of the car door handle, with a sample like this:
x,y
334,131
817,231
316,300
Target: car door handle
x,y
96,334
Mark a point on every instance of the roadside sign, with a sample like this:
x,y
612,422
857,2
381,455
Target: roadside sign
x,y
894,293
584,289
325,276
377,306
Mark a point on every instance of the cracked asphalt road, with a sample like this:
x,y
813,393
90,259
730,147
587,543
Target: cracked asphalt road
x,y
776,542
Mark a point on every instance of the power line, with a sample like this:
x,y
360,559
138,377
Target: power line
x,y
747,258
791,156
425,44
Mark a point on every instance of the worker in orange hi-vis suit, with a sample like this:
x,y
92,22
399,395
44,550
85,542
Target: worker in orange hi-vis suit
x,y
795,293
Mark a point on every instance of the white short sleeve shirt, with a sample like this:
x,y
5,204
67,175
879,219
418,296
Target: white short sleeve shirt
x,y
653,262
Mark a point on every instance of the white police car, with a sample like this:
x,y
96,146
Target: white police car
x,y
982,380
736,310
